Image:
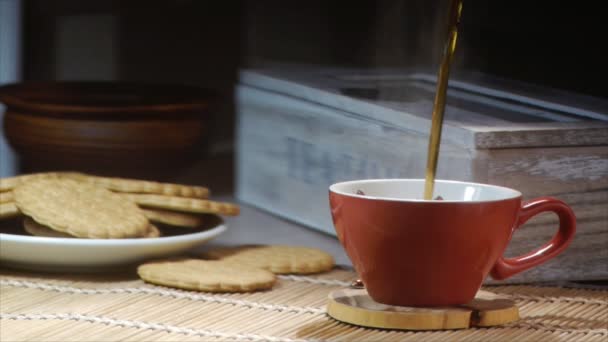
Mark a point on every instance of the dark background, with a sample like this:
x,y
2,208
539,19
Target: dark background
x,y
545,42
205,43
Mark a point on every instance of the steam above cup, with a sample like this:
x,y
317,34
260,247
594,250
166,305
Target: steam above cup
x,y
414,252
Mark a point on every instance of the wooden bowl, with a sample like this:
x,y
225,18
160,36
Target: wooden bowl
x,y
109,128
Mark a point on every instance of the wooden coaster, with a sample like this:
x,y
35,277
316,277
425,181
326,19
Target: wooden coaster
x,y
355,306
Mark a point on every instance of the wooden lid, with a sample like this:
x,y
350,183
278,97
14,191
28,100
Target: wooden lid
x,y
481,112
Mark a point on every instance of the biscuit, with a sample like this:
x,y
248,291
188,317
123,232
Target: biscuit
x,y
80,209
152,232
10,183
112,183
7,197
36,229
192,205
8,210
279,259
173,218
205,275
148,187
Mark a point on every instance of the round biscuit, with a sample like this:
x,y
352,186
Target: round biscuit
x,y
279,259
80,209
7,196
9,183
8,210
173,218
183,204
36,229
152,232
129,185
206,275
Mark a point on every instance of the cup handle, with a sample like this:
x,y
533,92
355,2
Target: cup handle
x,y
506,267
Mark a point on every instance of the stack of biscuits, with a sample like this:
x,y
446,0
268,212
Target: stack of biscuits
x,y
69,204
76,205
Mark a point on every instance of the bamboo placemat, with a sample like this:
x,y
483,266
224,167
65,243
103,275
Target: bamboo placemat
x,y
50,307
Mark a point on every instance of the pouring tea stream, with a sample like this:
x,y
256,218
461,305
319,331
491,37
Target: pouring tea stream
x,y
439,103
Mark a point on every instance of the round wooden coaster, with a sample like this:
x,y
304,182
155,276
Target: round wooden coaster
x,y
355,306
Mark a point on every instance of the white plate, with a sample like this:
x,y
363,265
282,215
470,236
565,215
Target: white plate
x,y
72,254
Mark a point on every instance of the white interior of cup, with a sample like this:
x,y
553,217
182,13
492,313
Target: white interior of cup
x,y
413,190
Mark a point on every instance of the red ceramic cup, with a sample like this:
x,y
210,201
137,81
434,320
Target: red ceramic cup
x,y
414,252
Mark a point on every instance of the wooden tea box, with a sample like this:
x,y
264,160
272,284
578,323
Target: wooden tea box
x,y
301,129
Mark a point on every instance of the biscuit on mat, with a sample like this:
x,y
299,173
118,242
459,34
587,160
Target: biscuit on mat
x,y
10,183
80,209
143,186
36,229
191,205
8,210
206,275
279,259
7,197
173,218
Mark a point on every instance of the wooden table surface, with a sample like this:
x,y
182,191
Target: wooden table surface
x,y
70,307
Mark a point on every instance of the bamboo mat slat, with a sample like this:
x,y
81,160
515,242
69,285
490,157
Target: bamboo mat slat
x,y
51,307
